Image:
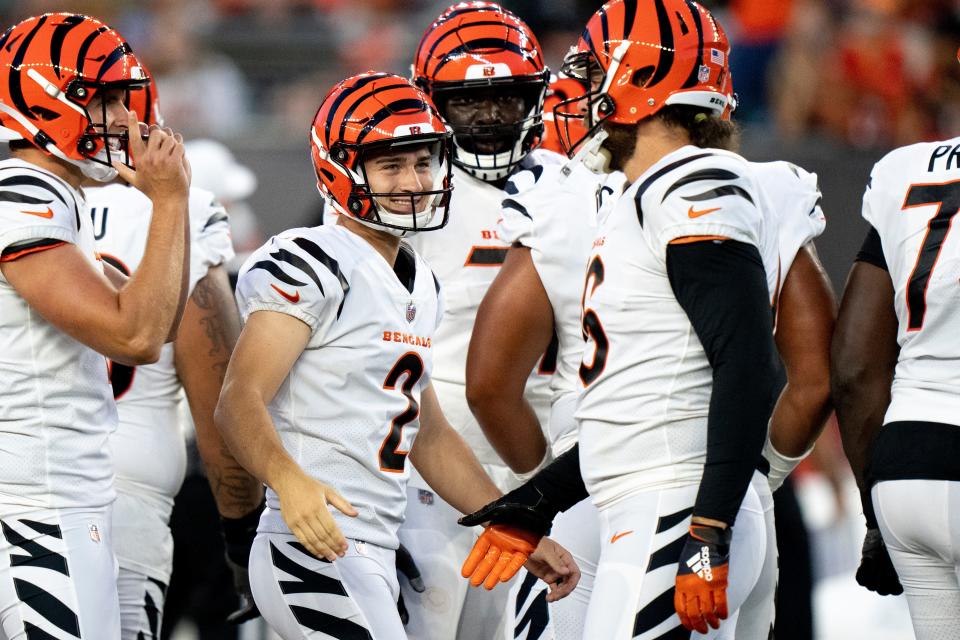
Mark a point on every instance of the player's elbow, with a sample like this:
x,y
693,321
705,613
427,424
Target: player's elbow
x,y
137,350
482,389
848,372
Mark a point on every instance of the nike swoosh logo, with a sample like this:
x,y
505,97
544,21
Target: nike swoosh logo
x,y
617,536
43,214
291,298
693,213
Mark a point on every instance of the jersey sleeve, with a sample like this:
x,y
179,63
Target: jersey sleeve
x,y
516,222
285,276
211,243
713,198
35,213
795,196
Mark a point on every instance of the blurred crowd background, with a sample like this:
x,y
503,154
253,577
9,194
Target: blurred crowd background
x,y
829,84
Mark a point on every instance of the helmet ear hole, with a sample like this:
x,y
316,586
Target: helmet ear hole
x,y
642,76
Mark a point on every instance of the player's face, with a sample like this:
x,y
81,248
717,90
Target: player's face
x,y
399,172
487,106
109,104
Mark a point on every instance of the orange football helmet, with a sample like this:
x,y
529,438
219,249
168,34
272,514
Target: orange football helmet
x,y
478,45
51,67
561,90
368,113
639,56
145,101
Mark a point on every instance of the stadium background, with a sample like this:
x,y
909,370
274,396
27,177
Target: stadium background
x,y
828,84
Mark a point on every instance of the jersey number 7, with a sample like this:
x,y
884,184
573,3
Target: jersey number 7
x,y
947,196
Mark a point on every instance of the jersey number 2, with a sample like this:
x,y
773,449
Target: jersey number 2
x,y
410,364
947,196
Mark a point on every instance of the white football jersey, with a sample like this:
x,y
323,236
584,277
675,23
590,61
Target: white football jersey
x,y
556,218
646,379
466,255
911,200
57,408
348,412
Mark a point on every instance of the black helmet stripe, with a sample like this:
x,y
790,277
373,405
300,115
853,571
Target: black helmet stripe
x,y
343,96
479,43
604,29
451,34
447,18
629,15
149,94
694,79
85,46
404,104
353,107
59,35
5,37
665,63
16,90
115,56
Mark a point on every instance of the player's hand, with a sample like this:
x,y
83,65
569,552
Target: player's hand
x,y
701,590
238,535
498,554
876,571
162,170
303,505
554,565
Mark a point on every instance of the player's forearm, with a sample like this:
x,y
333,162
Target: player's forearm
x,y
247,428
799,416
152,301
861,400
450,468
512,427
208,334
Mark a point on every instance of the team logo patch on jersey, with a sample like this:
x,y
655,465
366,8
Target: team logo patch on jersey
x,y
411,311
94,533
426,497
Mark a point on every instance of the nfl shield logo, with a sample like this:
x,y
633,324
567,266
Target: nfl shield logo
x,y
704,73
411,311
426,497
94,533
489,71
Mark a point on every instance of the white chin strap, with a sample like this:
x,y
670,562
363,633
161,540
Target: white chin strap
x,y
401,220
591,155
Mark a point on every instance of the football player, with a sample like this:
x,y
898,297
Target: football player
x,y
677,314
63,79
148,447
484,69
551,222
896,363
331,375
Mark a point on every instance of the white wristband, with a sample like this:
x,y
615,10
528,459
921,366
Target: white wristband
x,y
780,465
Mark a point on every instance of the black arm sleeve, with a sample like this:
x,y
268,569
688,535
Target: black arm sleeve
x,y
560,481
871,251
722,287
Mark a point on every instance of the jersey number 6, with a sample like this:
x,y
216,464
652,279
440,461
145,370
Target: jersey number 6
x,y
947,196
410,364
592,328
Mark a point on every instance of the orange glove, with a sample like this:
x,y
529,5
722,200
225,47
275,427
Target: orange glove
x,y
701,591
498,554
